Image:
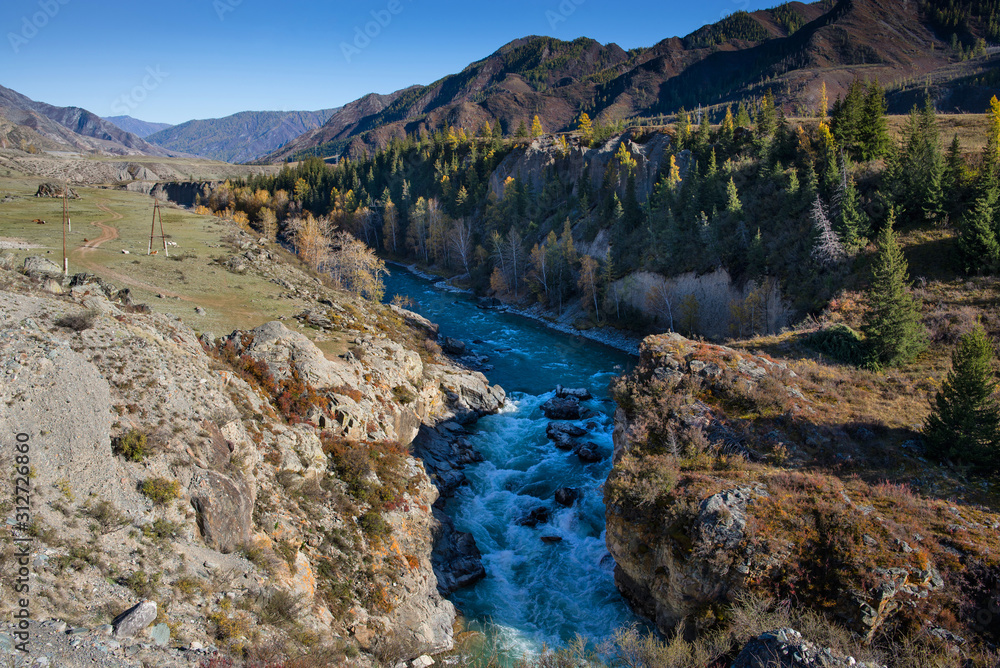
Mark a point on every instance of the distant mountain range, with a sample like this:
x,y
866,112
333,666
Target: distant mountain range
x,y
67,128
934,47
791,50
135,126
242,137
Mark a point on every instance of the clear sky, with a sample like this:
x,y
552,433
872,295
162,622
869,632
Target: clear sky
x,y
173,61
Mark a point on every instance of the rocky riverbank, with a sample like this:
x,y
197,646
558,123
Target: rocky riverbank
x,y
260,490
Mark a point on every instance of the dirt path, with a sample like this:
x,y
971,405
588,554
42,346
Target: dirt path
x,y
108,232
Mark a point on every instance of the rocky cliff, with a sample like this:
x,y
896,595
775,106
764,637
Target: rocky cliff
x,y
731,479
262,492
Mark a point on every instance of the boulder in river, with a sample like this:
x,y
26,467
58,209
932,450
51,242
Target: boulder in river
x,y
564,435
562,409
567,496
537,516
581,394
551,539
456,558
589,453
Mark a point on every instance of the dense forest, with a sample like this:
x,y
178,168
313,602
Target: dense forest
x,y
752,193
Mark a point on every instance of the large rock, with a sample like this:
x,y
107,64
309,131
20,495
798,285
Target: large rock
x,y
40,266
456,557
454,347
55,190
785,648
134,619
567,496
225,509
562,409
283,350
564,435
581,393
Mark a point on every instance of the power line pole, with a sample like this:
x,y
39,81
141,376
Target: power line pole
x,y
157,214
64,219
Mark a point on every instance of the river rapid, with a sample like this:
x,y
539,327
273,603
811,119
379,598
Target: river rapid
x,y
535,592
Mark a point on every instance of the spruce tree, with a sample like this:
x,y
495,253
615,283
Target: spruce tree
x,y
977,240
892,324
965,424
874,130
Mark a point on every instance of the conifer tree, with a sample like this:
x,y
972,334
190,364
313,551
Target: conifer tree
x,y
965,424
824,103
892,324
873,133
743,116
522,130
728,127
536,127
586,128
977,240
993,136
954,167
733,204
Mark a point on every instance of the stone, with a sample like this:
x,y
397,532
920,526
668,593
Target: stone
x,y
567,496
562,409
40,266
103,630
786,648
456,558
551,539
224,506
537,516
134,619
422,661
589,453
160,635
55,190
581,394
453,346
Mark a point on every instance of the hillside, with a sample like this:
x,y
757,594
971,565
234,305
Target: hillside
x,y
139,128
74,128
242,137
791,49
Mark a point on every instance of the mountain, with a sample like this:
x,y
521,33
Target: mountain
x,y
135,126
791,50
73,128
241,137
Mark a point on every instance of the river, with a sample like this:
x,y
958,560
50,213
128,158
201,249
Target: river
x,y
535,592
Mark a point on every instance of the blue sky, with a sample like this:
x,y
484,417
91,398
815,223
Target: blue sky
x,y
174,61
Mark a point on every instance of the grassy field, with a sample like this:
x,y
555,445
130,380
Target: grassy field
x,y
106,222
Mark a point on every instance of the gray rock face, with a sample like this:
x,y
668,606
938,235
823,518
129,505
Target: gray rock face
x,y
40,266
453,346
134,619
562,409
160,635
456,558
225,509
785,648
564,435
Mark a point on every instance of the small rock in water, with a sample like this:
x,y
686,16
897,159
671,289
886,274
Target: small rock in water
x,y
581,394
566,496
551,539
535,517
589,453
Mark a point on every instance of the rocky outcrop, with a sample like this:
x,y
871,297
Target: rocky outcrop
x,y
689,536
786,648
225,507
542,157
55,190
565,408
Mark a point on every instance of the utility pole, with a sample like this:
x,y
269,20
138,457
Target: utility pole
x,y
157,214
64,219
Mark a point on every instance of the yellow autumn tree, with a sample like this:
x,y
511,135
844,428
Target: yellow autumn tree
x,y
993,140
674,175
536,127
586,128
824,103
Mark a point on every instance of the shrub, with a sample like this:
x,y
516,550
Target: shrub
x,y
374,525
280,607
133,445
403,395
160,490
105,514
78,322
143,584
840,342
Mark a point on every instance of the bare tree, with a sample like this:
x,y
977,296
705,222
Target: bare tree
x,y
461,242
827,249
661,300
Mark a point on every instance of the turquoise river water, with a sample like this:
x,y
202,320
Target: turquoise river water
x,y
535,592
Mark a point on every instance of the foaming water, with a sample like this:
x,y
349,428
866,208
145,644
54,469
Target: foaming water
x,y
535,592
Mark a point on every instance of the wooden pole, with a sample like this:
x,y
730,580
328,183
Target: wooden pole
x,y
166,251
152,229
64,218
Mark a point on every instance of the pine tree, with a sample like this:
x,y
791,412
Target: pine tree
x,y
954,168
873,133
892,324
965,424
977,240
993,136
733,204
522,130
728,127
824,103
849,220
743,116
